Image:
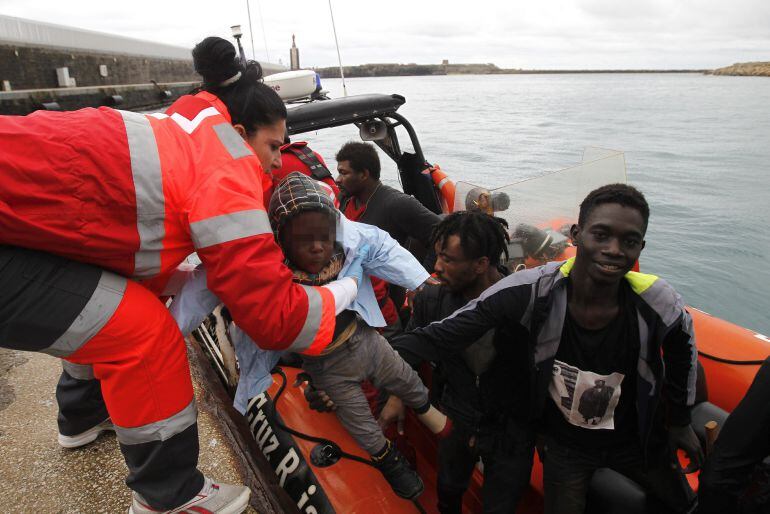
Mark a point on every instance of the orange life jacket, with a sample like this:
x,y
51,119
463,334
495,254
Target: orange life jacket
x,y
297,156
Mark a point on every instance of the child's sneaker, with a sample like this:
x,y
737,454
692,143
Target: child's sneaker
x,y
83,438
404,480
214,498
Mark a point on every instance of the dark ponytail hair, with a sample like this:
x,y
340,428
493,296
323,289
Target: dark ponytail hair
x,y
250,102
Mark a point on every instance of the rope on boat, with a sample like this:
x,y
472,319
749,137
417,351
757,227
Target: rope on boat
x,y
730,361
320,440
345,455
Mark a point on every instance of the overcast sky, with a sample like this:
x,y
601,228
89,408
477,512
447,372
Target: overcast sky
x,y
564,34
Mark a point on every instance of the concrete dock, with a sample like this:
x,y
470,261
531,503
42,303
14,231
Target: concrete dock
x,y
38,476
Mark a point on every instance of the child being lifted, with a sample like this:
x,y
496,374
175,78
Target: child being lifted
x,y
320,244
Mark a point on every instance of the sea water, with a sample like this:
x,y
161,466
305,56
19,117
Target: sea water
x,y
698,147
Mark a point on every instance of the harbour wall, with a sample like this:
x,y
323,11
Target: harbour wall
x,y
32,67
29,80
55,67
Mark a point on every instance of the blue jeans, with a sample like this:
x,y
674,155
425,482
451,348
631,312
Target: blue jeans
x,y
567,473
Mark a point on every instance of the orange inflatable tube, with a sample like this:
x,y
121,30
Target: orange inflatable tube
x,y
350,486
730,356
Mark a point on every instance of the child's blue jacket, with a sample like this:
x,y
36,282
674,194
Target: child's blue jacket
x,y
386,259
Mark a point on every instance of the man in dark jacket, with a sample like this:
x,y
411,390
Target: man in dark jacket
x,y
367,200
591,318
490,422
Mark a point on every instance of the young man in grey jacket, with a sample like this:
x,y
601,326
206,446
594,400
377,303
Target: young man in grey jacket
x,y
590,322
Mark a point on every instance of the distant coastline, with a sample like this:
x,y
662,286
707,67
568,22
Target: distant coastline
x,y
396,70
745,69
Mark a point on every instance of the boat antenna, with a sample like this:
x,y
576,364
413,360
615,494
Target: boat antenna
x,y
251,32
339,58
262,22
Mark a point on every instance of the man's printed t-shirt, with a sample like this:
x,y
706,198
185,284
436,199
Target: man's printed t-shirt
x,y
593,389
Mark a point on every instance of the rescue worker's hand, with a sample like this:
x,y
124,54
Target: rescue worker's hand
x,y
684,438
317,400
356,269
393,410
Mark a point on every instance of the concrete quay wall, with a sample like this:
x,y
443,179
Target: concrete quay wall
x,y
126,97
34,67
28,79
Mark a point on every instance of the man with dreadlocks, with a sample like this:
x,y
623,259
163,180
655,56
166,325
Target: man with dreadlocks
x,y
483,389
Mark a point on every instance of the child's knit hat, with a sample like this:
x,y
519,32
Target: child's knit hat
x,y
298,193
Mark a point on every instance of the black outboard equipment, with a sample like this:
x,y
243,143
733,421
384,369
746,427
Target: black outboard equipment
x,y
528,241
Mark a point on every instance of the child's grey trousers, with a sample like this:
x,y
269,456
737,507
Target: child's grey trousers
x,y
365,356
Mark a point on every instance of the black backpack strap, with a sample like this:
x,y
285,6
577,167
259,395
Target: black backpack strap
x,y
317,169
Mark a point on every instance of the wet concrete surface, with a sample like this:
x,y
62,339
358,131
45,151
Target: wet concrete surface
x,y
38,476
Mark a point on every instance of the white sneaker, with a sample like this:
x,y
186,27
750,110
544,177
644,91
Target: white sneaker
x,y
83,438
214,497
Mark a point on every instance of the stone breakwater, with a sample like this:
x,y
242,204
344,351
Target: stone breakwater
x,y
748,69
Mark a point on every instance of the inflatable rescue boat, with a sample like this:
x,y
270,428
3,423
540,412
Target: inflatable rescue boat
x,y
317,463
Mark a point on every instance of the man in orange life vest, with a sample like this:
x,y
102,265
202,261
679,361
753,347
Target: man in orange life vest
x,y
298,156
98,207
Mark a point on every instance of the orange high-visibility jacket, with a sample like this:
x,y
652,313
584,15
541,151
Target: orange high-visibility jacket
x,y
136,194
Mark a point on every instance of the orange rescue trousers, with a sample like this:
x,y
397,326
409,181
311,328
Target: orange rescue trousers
x,y
94,318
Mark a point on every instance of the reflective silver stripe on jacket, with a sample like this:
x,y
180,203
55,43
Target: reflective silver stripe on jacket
x,y
527,276
229,227
98,310
526,318
78,371
668,304
232,141
664,300
309,330
642,367
692,375
148,185
160,430
549,337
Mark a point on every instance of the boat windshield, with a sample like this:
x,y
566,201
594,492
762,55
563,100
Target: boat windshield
x,y
551,197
